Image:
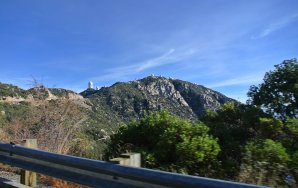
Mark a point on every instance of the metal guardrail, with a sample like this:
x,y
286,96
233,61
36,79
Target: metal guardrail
x,y
101,174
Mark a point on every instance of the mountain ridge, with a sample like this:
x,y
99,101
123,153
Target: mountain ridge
x,y
124,101
134,99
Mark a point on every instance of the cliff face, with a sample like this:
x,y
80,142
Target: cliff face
x,y
199,97
134,99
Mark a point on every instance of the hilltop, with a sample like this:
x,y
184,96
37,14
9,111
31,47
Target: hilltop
x,y
136,98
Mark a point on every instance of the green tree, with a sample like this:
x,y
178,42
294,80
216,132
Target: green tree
x,y
290,141
278,94
294,164
264,163
234,125
168,143
270,128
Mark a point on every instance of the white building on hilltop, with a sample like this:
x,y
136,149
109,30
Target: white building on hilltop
x,y
90,85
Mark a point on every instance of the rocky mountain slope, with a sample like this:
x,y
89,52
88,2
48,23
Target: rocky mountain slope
x,y
86,120
108,107
13,94
136,98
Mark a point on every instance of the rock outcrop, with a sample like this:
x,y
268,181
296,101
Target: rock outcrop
x,y
136,98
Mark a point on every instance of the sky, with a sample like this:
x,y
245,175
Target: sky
x,y
226,45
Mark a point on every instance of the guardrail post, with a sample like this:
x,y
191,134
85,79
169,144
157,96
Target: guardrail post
x,y
134,159
27,177
129,159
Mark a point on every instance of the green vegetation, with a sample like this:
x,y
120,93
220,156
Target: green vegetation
x,y
259,150
133,100
60,92
234,125
11,112
254,143
39,93
278,95
167,142
8,90
264,162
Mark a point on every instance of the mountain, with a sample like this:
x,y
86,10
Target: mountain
x,y
108,107
67,122
128,100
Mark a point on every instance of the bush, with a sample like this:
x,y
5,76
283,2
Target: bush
x,y
167,142
264,163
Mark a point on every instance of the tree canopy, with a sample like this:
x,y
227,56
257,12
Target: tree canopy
x,y
264,162
167,142
278,94
255,147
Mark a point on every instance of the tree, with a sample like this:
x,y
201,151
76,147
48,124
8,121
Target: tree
x,y
290,141
278,94
235,124
54,123
294,165
264,163
168,143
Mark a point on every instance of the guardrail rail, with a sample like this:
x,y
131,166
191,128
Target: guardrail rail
x,y
96,173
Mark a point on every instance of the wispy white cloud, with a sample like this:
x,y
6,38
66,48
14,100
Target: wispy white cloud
x,y
244,80
170,57
159,61
276,26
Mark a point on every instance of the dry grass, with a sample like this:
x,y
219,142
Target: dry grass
x,y
55,125
7,168
59,183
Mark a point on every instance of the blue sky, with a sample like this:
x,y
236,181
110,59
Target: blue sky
x,y
221,44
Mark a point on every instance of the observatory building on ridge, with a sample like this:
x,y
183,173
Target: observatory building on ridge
x,y
90,85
